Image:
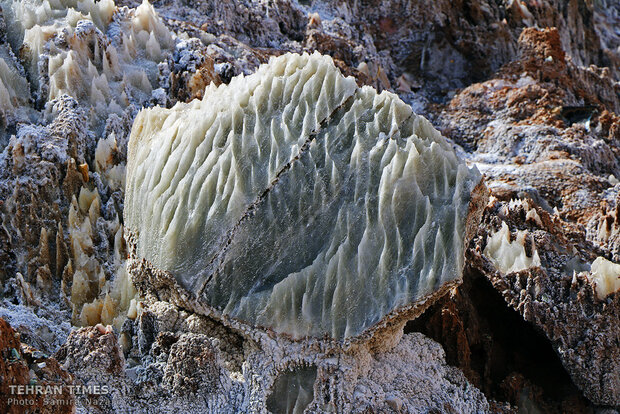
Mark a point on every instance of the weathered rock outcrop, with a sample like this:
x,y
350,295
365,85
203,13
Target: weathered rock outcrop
x,y
32,382
550,154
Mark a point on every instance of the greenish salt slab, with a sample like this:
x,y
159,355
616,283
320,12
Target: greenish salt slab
x,y
294,200
293,391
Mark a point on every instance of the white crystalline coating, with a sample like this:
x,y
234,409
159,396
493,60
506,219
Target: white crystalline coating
x,y
510,256
295,200
14,91
104,57
605,276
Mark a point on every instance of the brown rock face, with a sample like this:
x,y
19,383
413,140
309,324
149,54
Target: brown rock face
x,y
31,382
559,300
543,132
454,43
500,353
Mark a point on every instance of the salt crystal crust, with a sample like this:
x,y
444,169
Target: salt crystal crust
x,y
294,200
605,276
510,256
104,56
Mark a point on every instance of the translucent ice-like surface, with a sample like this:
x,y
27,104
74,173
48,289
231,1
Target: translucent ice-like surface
x,y
510,256
295,200
292,392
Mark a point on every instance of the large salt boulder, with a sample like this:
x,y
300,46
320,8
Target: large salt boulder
x,y
293,200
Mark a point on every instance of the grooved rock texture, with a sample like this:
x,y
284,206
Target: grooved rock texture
x,y
92,345
298,201
192,365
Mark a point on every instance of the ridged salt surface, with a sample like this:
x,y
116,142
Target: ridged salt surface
x,y
295,200
510,256
104,56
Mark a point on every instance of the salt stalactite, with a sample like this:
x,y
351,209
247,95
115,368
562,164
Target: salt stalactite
x,y
604,230
96,298
294,200
105,58
105,165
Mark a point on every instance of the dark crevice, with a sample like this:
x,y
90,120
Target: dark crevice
x,y
292,391
509,359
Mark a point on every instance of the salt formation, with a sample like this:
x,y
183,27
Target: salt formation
x,y
510,256
605,276
103,56
293,391
294,200
93,298
113,173
14,91
99,63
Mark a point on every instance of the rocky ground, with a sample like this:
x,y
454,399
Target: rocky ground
x,y
527,91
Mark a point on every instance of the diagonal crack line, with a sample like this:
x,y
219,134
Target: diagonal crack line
x,y
345,106
335,116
